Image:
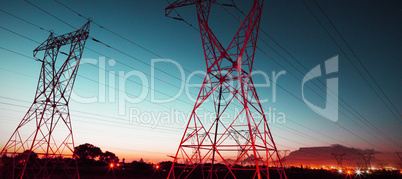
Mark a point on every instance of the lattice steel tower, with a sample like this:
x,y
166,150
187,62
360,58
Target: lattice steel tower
x,y
217,148
339,158
48,150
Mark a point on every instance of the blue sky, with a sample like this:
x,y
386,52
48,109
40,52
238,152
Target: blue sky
x,y
371,29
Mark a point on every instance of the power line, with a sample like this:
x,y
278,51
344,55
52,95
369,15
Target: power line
x,y
25,20
353,64
19,34
17,53
358,59
337,44
97,119
49,14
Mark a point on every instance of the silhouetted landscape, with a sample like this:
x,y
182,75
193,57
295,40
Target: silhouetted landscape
x,y
93,163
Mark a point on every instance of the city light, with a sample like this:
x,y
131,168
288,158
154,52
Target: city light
x,y
358,172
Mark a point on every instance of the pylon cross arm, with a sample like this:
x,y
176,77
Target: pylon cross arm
x,y
65,39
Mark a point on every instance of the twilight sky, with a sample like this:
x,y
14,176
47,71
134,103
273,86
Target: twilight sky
x,y
139,106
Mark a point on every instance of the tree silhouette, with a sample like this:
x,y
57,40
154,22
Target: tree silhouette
x,y
87,151
23,156
109,157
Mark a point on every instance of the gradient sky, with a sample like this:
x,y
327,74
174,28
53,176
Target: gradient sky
x,y
371,28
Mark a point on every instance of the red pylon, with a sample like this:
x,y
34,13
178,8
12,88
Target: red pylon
x,y
48,150
216,148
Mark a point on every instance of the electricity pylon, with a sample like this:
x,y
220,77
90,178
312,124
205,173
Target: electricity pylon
x,y
228,83
49,149
367,159
339,158
399,154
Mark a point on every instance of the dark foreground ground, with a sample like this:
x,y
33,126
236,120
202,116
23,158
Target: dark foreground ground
x,y
292,173
154,171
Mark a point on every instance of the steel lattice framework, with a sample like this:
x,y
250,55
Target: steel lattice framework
x,y
339,158
218,148
50,146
